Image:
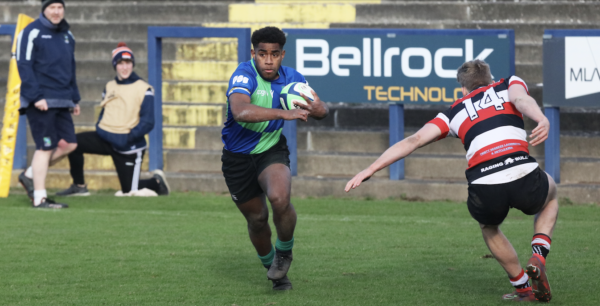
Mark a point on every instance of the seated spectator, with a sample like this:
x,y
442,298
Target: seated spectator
x,y
127,116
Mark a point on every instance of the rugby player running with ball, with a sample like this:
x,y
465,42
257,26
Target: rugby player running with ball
x,y
501,174
256,157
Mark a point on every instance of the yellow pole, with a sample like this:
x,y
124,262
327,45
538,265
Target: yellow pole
x,y
11,113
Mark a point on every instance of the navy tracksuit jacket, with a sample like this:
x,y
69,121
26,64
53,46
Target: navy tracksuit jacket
x,y
46,62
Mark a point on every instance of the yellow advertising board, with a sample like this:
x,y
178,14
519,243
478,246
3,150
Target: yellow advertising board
x,y
11,113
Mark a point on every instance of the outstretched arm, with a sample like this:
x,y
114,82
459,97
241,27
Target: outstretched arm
x,y
524,103
244,111
426,135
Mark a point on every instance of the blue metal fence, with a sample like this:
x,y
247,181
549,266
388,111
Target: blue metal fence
x,y
396,135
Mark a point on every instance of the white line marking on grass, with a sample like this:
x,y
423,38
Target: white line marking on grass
x,y
377,219
141,212
165,213
134,212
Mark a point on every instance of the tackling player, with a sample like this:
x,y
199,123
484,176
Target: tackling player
x,y
256,157
501,174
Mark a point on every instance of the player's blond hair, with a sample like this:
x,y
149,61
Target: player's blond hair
x,y
474,74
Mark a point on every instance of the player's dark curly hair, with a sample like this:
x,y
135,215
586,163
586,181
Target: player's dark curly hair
x,y
270,35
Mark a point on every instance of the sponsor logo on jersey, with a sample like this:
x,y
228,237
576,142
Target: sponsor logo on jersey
x,y
494,166
46,36
263,93
501,148
240,79
47,142
506,162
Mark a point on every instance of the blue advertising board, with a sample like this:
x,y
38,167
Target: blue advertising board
x,y
407,66
571,68
571,79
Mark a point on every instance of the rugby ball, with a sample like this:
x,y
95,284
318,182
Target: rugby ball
x,y
291,94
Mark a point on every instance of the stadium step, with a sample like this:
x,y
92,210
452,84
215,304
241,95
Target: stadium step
x,y
193,115
475,11
128,11
176,49
525,32
89,113
178,92
181,92
378,188
176,116
171,70
576,141
198,71
310,164
579,170
224,11
87,31
347,165
336,164
529,53
190,161
195,92
216,71
92,162
375,142
292,12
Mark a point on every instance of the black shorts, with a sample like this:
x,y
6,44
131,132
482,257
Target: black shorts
x,y
489,204
48,127
241,171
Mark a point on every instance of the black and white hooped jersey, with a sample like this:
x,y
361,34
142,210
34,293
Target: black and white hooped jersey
x,y
492,131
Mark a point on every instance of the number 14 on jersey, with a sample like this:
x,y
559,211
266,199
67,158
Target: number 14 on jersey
x,y
490,98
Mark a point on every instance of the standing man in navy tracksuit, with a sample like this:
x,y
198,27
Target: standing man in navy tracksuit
x,y
46,62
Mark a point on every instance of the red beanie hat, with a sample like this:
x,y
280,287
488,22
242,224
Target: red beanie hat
x,y
120,53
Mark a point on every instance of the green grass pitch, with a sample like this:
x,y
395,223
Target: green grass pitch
x,y
192,249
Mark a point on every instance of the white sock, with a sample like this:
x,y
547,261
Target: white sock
x,y
38,196
29,172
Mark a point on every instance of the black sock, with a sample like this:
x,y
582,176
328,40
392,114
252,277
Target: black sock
x,y
151,184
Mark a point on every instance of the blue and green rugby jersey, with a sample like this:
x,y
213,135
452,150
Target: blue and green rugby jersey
x,y
254,138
